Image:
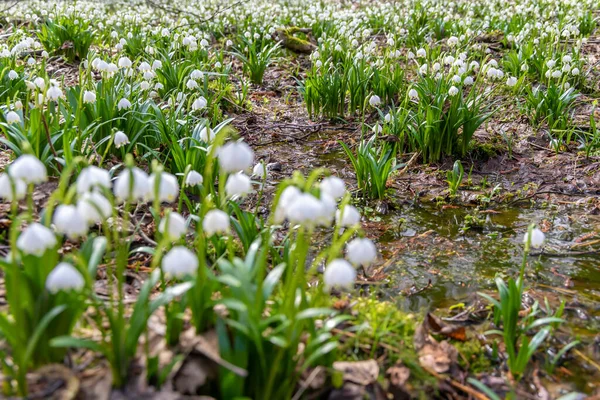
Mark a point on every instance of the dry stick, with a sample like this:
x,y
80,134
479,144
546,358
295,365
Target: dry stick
x,y
457,385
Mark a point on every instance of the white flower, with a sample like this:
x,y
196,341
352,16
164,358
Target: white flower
x,y
216,221
12,75
199,103
6,188
94,207
123,104
421,53
361,252
349,217
194,178
387,118
260,170
556,74
575,71
156,64
69,221
305,209
453,91
235,156
511,81
168,189
54,93
468,81
176,226
179,262
333,186
124,62
287,197
191,84
197,74
537,238
40,83
374,101
207,135
328,208
140,189
120,139
89,97
13,118
92,177
413,94
36,239
550,64
28,169
238,185
64,277
339,274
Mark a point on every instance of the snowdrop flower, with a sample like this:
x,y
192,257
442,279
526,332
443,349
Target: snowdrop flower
x,y
28,169
168,187
339,274
207,135
375,100
69,221
260,170
348,217
511,81
179,262
453,91
199,103
176,227
235,156
94,207
120,139
537,238
89,97
238,185
13,118
413,94
193,179
92,177
305,209
12,75
6,188
140,189
216,221
333,186
361,251
64,277
123,104
36,239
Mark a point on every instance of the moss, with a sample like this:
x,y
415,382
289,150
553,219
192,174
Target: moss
x,y
473,357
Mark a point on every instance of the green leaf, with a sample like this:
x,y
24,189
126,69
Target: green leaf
x,y
76,343
39,330
313,313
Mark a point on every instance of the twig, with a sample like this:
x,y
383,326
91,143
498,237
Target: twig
x,y
457,385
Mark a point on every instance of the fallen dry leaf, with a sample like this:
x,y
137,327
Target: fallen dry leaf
x,y
438,326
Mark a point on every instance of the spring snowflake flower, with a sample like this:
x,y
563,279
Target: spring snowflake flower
x,y
348,217
238,185
199,103
421,53
124,62
375,100
468,81
176,227
287,197
120,139
260,170
123,104
28,169
12,75
207,135
235,156
6,188
89,97
413,94
92,177
216,221
179,262
333,186
40,83
575,71
191,84
140,187
69,221
168,189
36,239
197,74
339,274
305,209
453,91
511,81
537,238
94,207
361,251
54,93
64,277
193,179
13,118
